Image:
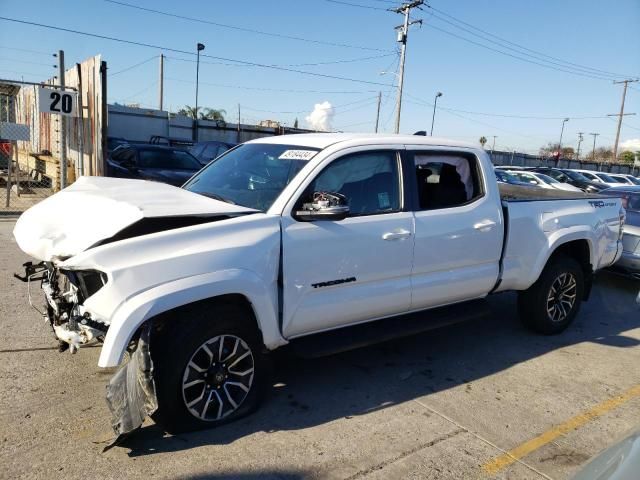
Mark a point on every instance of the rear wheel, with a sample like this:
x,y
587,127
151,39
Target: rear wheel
x,y
210,367
552,302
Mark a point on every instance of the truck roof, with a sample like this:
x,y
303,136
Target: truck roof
x,y
323,140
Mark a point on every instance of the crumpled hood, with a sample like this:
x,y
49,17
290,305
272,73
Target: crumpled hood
x,y
96,208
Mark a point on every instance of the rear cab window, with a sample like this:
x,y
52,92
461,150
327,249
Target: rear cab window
x,y
445,179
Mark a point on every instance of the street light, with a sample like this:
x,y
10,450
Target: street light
x,y
435,103
560,143
199,48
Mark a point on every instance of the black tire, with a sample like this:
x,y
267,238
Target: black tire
x,y
178,340
543,307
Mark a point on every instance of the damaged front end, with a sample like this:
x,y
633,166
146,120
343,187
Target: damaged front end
x,y
131,392
64,292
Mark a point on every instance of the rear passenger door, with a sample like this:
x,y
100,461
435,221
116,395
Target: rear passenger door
x,y
459,230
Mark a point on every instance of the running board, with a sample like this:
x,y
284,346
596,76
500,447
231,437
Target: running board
x,y
363,334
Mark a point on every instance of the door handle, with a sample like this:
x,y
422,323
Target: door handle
x,y
396,235
484,226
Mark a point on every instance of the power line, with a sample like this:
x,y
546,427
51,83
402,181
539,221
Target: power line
x,y
242,29
504,115
39,52
523,59
522,47
349,4
263,89
26,61
312,64
133,66
540,57
169,49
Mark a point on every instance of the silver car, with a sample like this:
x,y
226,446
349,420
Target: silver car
x,y
629,263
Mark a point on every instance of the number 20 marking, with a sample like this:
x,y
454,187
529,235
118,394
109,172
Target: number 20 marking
x,y
64,99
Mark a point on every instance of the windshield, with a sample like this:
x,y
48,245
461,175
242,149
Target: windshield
x,y
576,176
606,178
252,174
546,178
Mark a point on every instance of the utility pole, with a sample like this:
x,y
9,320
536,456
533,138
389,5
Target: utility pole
x,y
63,126
494,143
403,32
199,48
238,139
161,82
594,145
580,138
560,142
378,111
435,104
621,114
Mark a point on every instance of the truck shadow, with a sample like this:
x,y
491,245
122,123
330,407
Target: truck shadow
x,y
311,392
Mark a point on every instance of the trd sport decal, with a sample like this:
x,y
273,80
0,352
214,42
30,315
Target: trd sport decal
x,y
333,282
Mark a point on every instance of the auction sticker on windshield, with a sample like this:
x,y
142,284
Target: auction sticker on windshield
x,y
297,155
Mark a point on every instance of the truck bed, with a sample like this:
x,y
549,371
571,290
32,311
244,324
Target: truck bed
x,y
518,193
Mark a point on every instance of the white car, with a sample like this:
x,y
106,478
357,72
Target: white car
x,y
599,177
625,178
542,180
314,241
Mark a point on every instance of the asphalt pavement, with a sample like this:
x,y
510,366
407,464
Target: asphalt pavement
x,y
479,400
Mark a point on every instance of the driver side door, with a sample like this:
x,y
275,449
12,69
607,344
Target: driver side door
x,y
337,273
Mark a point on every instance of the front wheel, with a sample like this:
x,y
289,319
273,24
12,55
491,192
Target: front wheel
x,y
210,368
552,302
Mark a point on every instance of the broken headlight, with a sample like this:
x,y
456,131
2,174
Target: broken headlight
x,y
87,282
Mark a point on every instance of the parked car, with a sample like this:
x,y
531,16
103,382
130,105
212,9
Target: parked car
x,y
629,263
506,177
171,142
207,151
543,181
599,177
625,178
621,461
314,241
572,178
148,162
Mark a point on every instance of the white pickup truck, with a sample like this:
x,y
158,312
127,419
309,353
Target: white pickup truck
x,y
321,242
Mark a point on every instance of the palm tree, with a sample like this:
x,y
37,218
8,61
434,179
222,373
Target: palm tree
x,y
217,115
483,140
188,111
214,114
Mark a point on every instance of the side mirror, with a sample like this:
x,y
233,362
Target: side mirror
x,y
325,206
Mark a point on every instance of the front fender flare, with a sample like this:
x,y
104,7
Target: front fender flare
x,y
149,303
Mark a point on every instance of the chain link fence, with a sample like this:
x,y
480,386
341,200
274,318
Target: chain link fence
x,y
23,179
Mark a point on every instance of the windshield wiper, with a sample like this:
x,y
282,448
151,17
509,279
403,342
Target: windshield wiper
x,y
215,196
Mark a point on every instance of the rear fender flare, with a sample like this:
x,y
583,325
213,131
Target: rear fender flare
x,y
145,305
556,240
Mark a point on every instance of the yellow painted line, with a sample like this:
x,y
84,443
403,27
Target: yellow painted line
x,y
503,461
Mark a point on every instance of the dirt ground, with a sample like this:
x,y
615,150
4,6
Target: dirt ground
x,y
447,404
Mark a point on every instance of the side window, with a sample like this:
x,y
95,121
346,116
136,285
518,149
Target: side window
x,y
446,180
211,151
126,156
369,181
171,159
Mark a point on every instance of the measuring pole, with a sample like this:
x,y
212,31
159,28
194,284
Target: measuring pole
x,y
62,141
378,111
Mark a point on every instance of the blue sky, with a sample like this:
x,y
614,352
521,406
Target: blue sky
x,y
601,35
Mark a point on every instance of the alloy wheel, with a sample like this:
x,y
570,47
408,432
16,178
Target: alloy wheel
x,y
218,377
